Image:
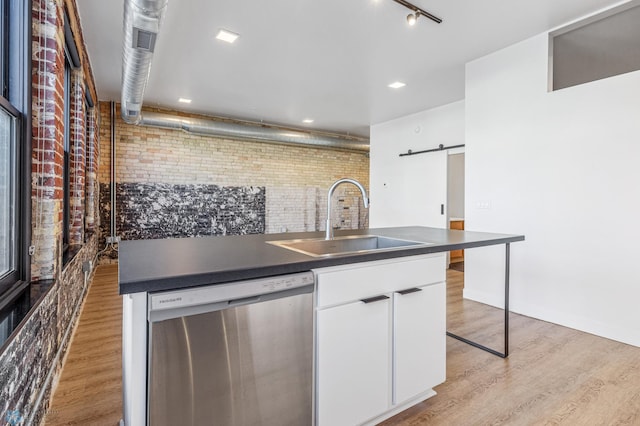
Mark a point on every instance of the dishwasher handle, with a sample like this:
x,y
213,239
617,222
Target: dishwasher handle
x,y
195,309
244,301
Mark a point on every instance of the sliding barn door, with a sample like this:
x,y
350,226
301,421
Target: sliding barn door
x,y
412,192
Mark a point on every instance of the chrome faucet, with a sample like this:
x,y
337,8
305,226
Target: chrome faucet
x,y
365,200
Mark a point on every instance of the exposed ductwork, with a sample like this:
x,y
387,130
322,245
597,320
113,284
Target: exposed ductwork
x,y
142,20
251,132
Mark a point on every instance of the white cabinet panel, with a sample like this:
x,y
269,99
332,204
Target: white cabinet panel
x,y
348,283
419,341
375,359
353,362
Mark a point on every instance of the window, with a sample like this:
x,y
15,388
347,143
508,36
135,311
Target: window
x,y
72,61
89,205
4,47
13,154
602,46
66,181
7,193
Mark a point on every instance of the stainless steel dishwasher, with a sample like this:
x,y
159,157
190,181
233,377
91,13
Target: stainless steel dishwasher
x,y
236,354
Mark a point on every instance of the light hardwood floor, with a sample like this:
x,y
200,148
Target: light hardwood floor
x,y
553,376
90,388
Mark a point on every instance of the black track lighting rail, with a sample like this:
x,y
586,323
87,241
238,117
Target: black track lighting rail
x,y
419,10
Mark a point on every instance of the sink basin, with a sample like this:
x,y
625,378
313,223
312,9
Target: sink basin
x,y
319,247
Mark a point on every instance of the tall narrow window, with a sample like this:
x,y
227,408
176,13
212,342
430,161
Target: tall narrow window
x,y
12,157
4,48
72,61
7,194
66,205
89,189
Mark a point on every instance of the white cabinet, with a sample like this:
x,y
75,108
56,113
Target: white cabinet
x,y
380,338
353,366
419,334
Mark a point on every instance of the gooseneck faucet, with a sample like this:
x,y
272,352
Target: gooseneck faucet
x,y
365,200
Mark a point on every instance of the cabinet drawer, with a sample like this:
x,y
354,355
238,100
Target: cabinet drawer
x,y
347,283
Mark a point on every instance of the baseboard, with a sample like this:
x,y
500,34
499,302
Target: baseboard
x,y
400,408
627,335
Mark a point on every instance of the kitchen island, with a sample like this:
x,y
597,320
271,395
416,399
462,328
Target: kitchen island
x,y
394,284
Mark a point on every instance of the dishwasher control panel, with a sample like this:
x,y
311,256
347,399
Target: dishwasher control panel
x,y
286,282
228,292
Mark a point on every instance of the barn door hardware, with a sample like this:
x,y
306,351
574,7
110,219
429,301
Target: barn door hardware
x,y
439,148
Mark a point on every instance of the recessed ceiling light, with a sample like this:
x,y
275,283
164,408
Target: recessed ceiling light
x,y
227,36
308,120
397,85
184,100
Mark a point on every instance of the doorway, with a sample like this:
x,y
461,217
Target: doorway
x,y
455,203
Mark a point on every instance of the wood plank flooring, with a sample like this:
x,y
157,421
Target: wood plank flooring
x,y
554,375
90,388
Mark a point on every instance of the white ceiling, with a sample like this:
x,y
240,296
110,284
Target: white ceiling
x,y
330,60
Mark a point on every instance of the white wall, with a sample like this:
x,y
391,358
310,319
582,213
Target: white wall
x,y
562,168
409,190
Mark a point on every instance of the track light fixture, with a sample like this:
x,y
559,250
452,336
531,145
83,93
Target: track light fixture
x,y
412,18
417,12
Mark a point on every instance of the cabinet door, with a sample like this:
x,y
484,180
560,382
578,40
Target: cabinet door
x,y
419,361
353,362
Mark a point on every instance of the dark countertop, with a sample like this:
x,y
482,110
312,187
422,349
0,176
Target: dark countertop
x,y
168,264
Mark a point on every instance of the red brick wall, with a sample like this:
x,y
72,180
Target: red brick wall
x,y
47,138
48,143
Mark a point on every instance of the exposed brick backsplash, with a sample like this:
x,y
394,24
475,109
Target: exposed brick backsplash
x,y
158,210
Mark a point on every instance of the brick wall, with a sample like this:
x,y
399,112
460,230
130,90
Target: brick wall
x,y
48,137
48,141
31,360
295,179
28,358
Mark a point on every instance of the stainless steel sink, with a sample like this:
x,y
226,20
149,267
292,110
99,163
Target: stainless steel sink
x,y
319,247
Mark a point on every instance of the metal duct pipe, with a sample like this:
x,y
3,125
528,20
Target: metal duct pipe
x,y
250,132
142,20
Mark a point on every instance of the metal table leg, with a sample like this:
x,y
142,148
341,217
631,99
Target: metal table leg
x,y
506,316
